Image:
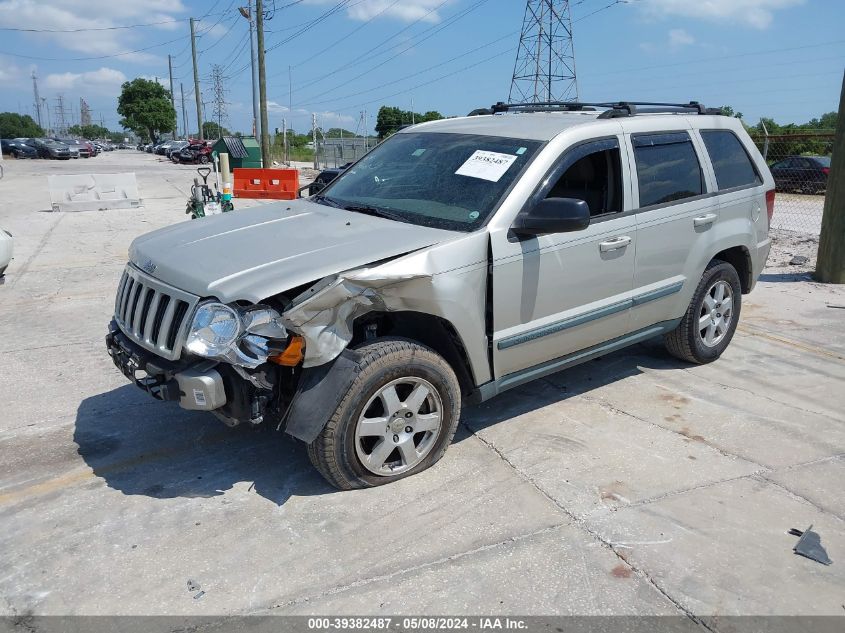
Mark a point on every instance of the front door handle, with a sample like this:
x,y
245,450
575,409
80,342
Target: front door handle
x,y
614,244
704,220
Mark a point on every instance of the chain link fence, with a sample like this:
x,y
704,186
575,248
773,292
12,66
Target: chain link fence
x,y
800,164
336,152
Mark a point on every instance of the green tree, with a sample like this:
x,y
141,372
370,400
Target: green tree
x,y
729,111
336,132
390,119
146,109
211,130
14,125
89,131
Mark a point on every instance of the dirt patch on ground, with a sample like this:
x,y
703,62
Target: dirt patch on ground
x,y
787,247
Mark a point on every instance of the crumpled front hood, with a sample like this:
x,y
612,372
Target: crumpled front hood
x,y
256,253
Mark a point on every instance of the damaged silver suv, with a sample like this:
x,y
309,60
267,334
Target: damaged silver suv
x,y
456,260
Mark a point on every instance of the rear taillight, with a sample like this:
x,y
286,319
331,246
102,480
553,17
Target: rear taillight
x,y
826,170
770,204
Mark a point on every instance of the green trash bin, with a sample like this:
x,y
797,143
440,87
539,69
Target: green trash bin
x,y
243,151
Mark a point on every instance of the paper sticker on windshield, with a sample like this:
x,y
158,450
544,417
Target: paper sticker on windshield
x,y
486,165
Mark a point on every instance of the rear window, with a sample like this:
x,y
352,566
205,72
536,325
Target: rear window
x,y
667,168
731,162
824,160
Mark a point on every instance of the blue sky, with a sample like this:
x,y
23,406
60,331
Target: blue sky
x,y
777,58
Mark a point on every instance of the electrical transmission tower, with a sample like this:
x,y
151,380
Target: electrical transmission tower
x,y
219,97
545,61
84,112
37,99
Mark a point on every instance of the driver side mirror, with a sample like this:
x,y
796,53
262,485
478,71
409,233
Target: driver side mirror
x,y
553,215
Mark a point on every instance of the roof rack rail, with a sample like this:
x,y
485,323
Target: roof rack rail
x,y
611,109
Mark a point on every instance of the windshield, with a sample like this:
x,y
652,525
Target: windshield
x,y
449,181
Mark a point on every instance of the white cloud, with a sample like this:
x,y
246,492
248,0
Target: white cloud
x,y
102,81
754,13
679,37
88,14
404,10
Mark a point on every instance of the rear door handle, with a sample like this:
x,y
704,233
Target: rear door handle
x,y
704,220
614,244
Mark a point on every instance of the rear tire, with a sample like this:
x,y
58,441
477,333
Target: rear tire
x,y
397,419
708,325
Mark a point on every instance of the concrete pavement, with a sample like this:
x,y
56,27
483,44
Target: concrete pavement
x,y
633,484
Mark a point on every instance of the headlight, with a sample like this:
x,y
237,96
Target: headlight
x,y
215,329
241,337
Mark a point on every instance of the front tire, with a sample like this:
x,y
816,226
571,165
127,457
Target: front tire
x,y
707,327
397,419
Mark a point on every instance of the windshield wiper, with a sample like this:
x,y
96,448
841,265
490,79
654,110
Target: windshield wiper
x,y
329,202
376,211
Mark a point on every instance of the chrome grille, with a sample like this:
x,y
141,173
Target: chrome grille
x,y
151,313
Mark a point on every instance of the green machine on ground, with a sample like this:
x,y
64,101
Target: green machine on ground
x,y
204,201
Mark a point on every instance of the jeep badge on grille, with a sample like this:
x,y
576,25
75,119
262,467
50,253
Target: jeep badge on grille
x,y
148,266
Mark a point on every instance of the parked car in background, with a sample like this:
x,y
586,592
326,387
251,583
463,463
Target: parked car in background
x,y
5,253
162,147
196,152
325,177
49,148
804,174
175,148
72,146
17,149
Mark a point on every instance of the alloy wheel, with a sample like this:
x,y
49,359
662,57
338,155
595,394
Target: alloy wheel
x,y
716,313
399,426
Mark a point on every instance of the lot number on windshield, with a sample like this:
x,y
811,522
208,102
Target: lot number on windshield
x,y
486,165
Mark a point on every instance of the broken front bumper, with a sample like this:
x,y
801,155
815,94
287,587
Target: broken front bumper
x,y
196,386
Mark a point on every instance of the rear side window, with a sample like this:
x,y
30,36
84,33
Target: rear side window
x,y
667,168
731,162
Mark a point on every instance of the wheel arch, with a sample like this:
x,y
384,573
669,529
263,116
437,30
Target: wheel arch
x,y
740,258
430,330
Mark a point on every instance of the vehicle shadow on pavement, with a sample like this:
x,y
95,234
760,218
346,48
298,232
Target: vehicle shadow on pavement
x,y
575,381
144,447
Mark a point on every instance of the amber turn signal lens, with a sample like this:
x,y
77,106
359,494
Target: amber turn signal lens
x,y
293,355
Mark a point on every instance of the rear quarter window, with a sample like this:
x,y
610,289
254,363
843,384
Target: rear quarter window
x,y
667,168
731,162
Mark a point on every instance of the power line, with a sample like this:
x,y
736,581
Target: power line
x,y
350,34
374,48
335,9
100,28
82,59
427,83
421,72
432,31
700,60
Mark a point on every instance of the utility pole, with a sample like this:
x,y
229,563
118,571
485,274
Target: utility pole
x,y
545,59
184,112
262,84
173,98
249,13
197,93
830,264
285,142
314,137
47,112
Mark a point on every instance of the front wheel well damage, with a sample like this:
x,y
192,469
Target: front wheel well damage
x,y
432,331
